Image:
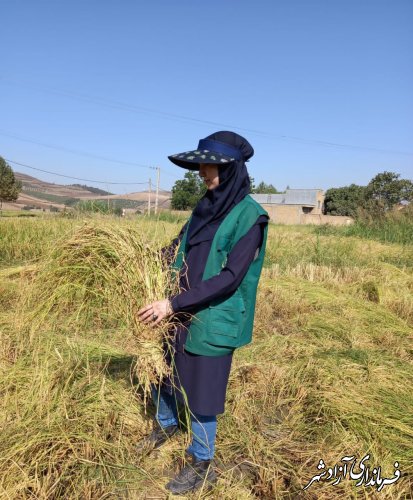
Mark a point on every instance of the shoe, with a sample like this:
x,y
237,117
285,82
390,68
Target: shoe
x,y
156,438
192,476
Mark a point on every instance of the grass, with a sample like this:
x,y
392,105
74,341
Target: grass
x,y
393,227
16,213
328,374
24,240
169,216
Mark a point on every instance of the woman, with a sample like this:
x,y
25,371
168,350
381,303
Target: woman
x,y
220,256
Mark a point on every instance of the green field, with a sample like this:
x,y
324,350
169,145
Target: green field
x,y
54,198
329,372
16,213
71,202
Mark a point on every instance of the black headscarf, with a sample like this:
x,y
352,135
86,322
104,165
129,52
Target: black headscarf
x,y
234,185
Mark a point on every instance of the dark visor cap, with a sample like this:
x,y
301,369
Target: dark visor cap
x,y
208,151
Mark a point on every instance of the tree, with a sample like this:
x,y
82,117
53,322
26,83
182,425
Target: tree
x,y
10,187
383,192
344,200
187,192
265,188
386,190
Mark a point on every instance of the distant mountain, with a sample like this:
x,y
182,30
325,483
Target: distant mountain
x,y
42,195
31,185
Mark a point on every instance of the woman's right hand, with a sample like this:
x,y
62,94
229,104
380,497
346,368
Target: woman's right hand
x,y
155,312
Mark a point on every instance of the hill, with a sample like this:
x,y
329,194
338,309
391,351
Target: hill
x,y
43,195
97,191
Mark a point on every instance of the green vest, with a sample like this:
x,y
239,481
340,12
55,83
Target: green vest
x,y
226,323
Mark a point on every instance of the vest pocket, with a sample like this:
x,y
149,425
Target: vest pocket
x,y
226,320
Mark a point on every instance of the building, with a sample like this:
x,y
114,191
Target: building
x,y
298,206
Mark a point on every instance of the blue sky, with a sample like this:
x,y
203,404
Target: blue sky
x,y
323,89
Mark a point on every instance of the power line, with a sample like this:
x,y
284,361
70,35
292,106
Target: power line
x,y
174,116
73,151
81,153
170,175
69,176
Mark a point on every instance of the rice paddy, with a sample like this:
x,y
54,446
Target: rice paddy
x,y
329,372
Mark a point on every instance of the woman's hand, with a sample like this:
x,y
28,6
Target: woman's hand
x,y
155,312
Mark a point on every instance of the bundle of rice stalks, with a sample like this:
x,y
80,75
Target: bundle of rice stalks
x,y
98,280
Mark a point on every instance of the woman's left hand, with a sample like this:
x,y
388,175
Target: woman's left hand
x,y
155,312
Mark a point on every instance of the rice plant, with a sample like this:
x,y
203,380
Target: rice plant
x,y
328,374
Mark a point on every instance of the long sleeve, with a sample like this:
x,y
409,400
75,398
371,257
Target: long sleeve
x,y
228,280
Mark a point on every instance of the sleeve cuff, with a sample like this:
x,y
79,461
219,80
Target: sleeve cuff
x,y
174,303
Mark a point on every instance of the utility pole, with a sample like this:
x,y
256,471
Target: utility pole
x,y
149,197
157,189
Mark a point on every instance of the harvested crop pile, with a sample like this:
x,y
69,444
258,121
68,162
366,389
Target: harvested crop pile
x,y
99,279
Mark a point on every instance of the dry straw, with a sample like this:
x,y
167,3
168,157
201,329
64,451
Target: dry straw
x,y
98,279
329,372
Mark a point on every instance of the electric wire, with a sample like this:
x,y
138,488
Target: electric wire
x,y
175,116
74,151
82,153
71,177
